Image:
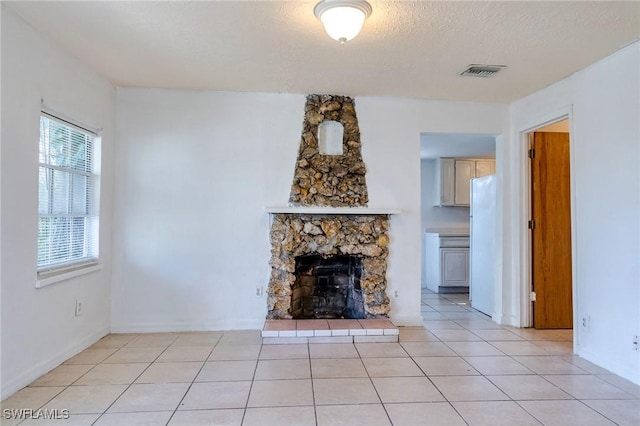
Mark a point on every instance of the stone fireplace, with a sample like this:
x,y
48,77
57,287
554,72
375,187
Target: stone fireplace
x,y
328,222
363,236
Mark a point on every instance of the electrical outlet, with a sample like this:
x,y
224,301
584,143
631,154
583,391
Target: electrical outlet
x,y
259,291
636,342
78,308
395,294
586,322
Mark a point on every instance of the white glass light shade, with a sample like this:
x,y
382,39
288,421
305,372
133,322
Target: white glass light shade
x,y
342,19
342,23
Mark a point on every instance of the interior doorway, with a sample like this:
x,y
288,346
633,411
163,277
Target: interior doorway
x,y
448,163
550,227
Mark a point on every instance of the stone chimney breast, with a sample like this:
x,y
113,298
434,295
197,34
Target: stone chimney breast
x,y
328,225
327,180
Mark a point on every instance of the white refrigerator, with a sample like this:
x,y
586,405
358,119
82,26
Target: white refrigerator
x,y
483,231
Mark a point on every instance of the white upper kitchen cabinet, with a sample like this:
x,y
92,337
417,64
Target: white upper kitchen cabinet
x,y
485,168
454,176
465,170
445,175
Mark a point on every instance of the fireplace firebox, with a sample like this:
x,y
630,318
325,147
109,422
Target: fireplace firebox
x,y
327,287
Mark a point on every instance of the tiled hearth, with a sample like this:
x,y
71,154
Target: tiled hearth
x,y
329,331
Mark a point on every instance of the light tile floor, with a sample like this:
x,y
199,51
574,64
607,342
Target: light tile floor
x,y
460,369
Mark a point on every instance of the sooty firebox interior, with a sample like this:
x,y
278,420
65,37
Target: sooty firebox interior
x,y
327,287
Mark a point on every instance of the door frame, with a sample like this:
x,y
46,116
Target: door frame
x,y
526,311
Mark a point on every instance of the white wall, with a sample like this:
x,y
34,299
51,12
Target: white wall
x,y
391,131
39,329
195,171
605,144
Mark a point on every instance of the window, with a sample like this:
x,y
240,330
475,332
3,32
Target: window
x,y
67,198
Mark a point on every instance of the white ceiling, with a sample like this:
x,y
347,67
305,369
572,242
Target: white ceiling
x,y
436,145
406,49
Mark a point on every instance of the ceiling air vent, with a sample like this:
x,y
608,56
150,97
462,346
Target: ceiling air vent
x,y
484,71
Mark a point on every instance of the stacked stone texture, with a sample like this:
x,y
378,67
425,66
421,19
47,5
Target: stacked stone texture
x,y
298,234
329,180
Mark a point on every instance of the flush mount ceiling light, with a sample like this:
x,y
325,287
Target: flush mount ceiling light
x,y
342,19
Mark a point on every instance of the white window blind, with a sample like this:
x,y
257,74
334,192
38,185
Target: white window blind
x,y
67,202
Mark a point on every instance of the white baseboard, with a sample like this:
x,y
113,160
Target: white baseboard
x,y
225,325
406,320
511,320
187,326
25,377
610,364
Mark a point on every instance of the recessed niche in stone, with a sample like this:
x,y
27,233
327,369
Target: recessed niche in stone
x,y
330,137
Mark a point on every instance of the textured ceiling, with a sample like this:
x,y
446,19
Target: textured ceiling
x,y
407,48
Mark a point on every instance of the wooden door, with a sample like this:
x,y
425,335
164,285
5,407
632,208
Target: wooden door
x,y
551,236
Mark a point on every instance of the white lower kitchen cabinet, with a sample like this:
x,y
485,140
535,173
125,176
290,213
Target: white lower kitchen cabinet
x,y
447,261
454,267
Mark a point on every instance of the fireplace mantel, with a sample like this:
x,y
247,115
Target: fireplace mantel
x,y
331,210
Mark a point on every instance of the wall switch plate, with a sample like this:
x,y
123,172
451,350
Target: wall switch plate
x,y
78,308
636,342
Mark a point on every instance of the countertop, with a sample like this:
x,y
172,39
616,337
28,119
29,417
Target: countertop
x,y
448,232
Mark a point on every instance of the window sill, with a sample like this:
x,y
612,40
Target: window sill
x,y
55,278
